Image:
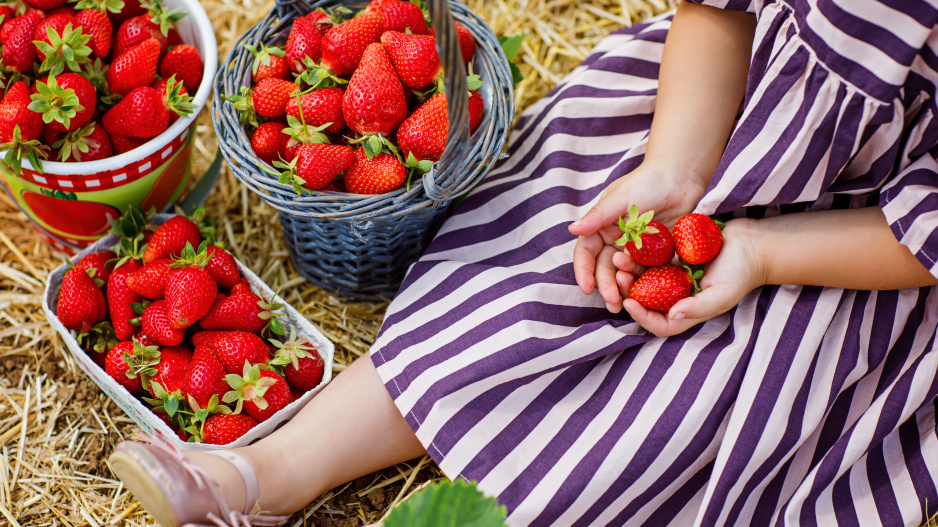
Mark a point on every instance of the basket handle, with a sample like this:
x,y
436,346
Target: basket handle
x,y
440,182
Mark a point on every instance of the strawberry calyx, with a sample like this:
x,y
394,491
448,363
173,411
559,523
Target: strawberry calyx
x,y
316,76
271,310
196,425
416,167
332,16
18,149
112,6
637,225
54,102
190,256
96,73
248,387
206,225
100,338
375,144
176,101
76,143
473,82
245,106
291,351
139,308
69,49
262,55
141,363
302,133
695,273
162,18
163,400
288,175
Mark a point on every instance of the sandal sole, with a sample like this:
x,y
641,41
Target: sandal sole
x,y
144,488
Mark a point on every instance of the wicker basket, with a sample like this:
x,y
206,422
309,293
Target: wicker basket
x,y
362,245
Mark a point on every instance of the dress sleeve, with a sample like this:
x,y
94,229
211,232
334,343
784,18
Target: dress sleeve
x,y
910,203
748,6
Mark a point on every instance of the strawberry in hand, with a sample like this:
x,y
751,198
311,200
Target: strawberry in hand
x,y
648,242
697,238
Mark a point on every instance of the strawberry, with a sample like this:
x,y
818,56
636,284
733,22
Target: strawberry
x,y
60,44
424,133
130,9
649,242
660,287
302,365
122,143
344,45
467,42
145,112
414,57
190,291
88,143
374,101
150,280
81,303
168,384
402,17
7,13
131,364
119,300
222,266
378,175
61,10
375,5
221,429
324,20
335,186
268,62
242,312
243,286
206,378
14,112
261,393
155,24
156,325
144,339
170,238
98,341
185,63
318,108
206,338
19,52
233,348
45,5
98,262
269,142
66,102
96,24
165,90
271,96
134,68
697,238
315,166
304,41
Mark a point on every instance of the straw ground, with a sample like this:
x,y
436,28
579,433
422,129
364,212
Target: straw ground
x,y
57,428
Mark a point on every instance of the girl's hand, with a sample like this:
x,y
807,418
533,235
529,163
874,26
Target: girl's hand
x,y
738,269
649,187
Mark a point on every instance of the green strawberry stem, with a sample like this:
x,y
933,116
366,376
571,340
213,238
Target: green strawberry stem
x,y
71,49
17,149
75,142
637,225
107,6
175,100
243,103
316,76
55,103
288,176
96,73
695,273
164,19
192,256
375,144
262,56
415,167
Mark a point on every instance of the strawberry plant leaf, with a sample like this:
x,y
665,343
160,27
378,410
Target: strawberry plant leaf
x,y
448,504
511,45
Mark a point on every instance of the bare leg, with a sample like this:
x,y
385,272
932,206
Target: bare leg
x,y
350,429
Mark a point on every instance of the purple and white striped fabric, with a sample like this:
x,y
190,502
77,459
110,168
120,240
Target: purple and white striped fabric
x,y
802,406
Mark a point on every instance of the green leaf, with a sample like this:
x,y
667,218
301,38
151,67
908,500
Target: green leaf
x,y
511,45
448,504
516,75
473,82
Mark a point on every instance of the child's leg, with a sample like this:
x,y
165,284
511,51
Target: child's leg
x,y
350,429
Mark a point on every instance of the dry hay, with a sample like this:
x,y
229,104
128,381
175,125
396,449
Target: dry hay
x,y
57,428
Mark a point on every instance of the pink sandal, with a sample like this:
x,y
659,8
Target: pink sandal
x,y
180,494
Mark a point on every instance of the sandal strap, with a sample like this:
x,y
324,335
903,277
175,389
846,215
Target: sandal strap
x,y
247,474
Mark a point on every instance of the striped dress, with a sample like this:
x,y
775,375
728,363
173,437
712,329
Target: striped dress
x,y
801,406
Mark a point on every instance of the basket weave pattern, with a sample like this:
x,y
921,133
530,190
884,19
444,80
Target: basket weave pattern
x,y
362,245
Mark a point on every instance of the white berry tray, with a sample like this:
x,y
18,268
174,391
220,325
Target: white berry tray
x,y
137,410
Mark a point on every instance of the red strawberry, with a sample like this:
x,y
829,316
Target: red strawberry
x,y
206,338
261,393
145,112
130,9
155,323
119,298
155,25
222,266
375,5
268,62
122,143
97,24
131,364
316,165
344,45
66,101
206,377
14,111
19,52
144,339
221,429
165,90
7,13
322,19
467,42
269,142
649,242
661,287
134,68
98,341
172,370
476,109
243,286
374,101
320,107
43,4
424,133
61,10
244,311
302,365
98,262
81,303
171,238
88,143
378,175
185,63
414,57
190,291
402,16
271,96
233,348
304,41
150,280
61,44
697,238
